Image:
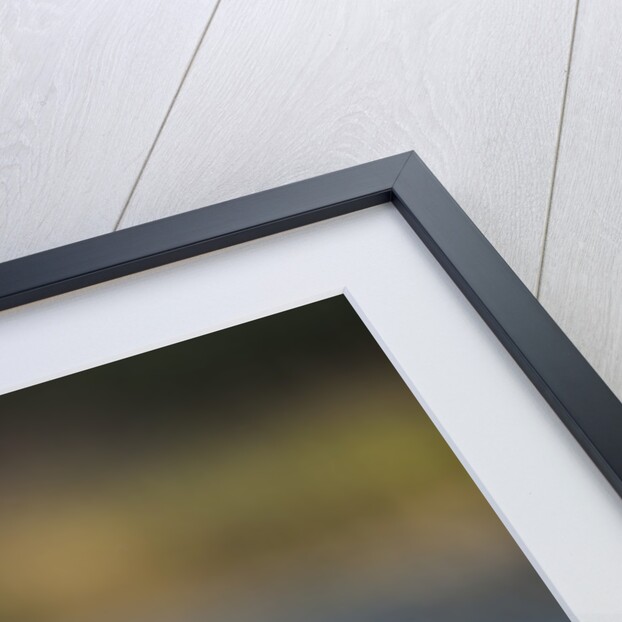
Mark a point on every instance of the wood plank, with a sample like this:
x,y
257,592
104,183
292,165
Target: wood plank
x,y
280,92
84,87
582,275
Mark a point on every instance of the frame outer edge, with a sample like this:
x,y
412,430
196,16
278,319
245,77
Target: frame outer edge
x,y
188,234
573,389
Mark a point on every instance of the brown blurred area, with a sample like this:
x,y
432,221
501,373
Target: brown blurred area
x,y
277,470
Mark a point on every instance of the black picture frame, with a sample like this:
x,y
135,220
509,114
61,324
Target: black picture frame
x,y
572,388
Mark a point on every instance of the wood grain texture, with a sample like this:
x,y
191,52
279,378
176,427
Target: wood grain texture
x,y
84,87
582,271
282,91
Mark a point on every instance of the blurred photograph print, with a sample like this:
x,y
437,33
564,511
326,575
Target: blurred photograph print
x,y
276,471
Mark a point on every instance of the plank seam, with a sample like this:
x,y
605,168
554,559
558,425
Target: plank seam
x,y
166,115
547,218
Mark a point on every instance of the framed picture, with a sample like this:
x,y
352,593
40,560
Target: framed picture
x,y
332,400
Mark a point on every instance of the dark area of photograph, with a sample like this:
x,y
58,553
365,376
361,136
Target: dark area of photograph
x,y
275,471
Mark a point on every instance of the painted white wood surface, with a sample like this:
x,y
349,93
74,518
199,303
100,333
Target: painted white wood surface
x,y
549,494
582,273
84,87
282,91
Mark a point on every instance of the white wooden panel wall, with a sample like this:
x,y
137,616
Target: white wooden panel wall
x,y
84,87
582,276
107,118
284,90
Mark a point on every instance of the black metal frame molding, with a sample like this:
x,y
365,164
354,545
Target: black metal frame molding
x,y
564,378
